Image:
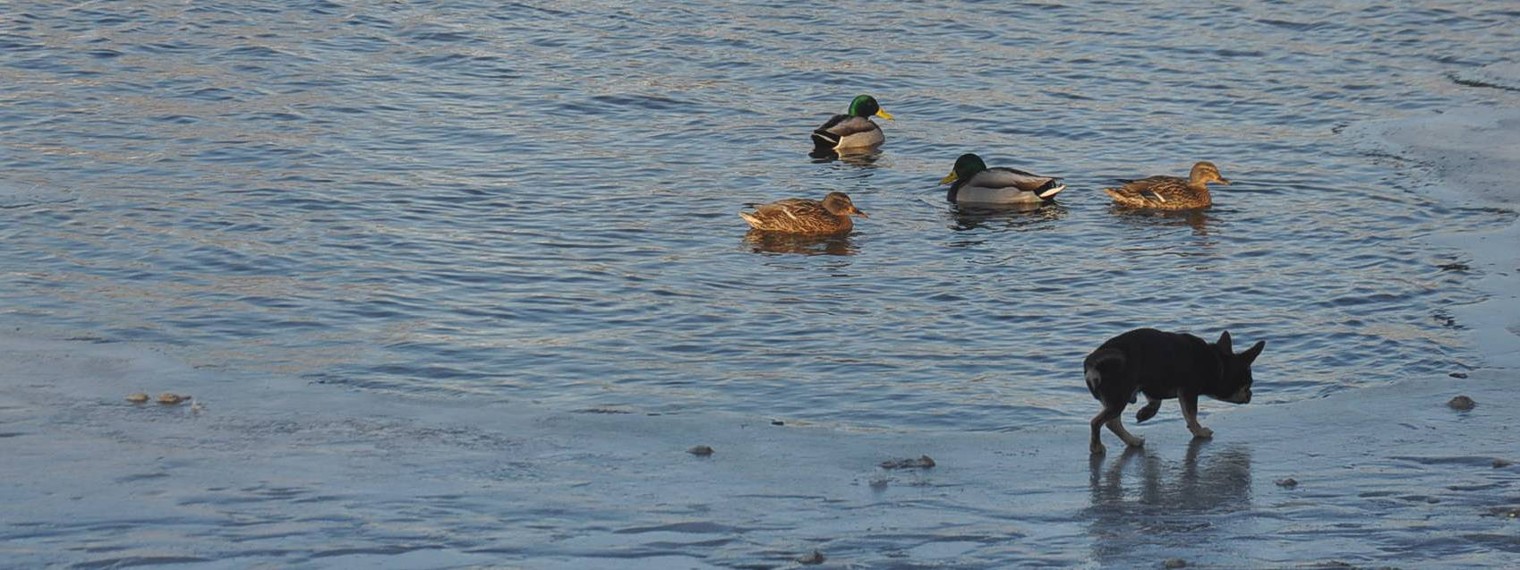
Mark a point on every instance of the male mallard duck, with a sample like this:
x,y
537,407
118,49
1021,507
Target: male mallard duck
x,y
802,216
1169,192
853,129
974,183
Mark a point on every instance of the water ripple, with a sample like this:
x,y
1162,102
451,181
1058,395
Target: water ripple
x,y
537,203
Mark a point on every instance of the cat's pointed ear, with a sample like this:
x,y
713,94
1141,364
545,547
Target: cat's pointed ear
x,y
1224,343
1251,353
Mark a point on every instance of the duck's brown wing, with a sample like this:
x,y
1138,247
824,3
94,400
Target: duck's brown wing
x,y
1155,191
1161,193
788,212
797,215
1149,180
792,207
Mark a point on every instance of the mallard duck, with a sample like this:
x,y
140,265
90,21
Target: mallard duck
x,y
853,129
974,183
803,216
1169,192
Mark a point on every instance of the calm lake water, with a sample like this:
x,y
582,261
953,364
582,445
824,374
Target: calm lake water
x,y
535,202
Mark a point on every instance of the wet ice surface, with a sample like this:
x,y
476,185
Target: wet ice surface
x,y
276,471
1470,157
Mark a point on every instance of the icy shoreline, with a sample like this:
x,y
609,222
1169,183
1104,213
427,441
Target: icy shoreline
x,y
302,477
1473,155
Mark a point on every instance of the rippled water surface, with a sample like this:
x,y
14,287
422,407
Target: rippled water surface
x,y
536,202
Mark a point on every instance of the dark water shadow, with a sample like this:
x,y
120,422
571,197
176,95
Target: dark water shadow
x,y
860,157
1140,500
1012,217
784,243
1198,220
1490,81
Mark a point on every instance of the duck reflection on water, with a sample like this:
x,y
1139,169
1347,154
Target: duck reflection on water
x,y
862,157
1012,216
801,244
1198,220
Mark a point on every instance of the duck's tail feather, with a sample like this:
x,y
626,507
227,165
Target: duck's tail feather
x,y
824,141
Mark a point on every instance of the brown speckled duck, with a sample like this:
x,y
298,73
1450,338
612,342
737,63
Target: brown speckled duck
x,y
802,216
1169,192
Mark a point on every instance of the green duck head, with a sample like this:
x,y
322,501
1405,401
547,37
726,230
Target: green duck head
x,y
965,167
866,106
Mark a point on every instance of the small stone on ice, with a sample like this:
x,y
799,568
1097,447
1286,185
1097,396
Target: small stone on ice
x,y
1174,563
700,451
923,462
1502,463
815,557
1462,403
1287,483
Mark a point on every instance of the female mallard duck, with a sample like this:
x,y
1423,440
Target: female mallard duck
x,y
852,130
1169,192
974,183
802,216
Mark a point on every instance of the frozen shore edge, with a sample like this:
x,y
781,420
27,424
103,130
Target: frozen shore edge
x,y
1472,157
